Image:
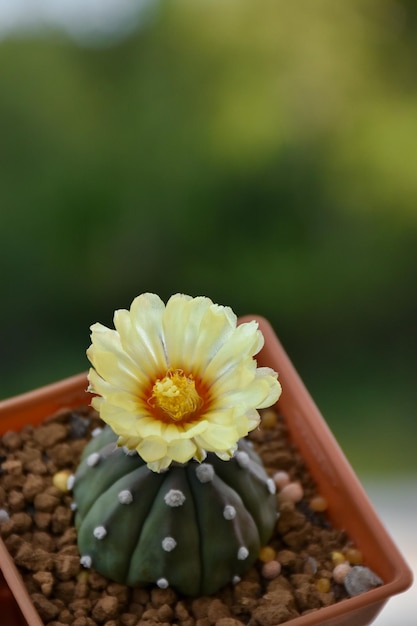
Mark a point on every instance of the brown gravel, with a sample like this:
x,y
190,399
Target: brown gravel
x,y
42,540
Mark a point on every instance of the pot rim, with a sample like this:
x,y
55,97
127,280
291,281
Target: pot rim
x,y
327,463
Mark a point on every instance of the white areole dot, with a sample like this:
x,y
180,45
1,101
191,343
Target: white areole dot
x,y
93,459
229,512
162,583
242,553
168,544
271,486
242,458
70,482
99,532
236,579
174,497
86,561
73,506
125,496
205,472
96,431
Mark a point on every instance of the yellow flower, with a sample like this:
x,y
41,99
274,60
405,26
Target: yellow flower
x,y
180,380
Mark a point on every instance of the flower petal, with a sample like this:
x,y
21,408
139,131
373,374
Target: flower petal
x,y
194,330
182,451
244,343
141,334
152,449
190,337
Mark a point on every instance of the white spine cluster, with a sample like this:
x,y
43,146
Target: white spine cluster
x,y
86,561
174,497
125,496
229,512
271,486
242,553
205,472
168,544
93,459
99,532
242,458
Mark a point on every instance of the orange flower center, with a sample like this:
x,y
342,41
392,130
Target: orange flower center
x,y
176,396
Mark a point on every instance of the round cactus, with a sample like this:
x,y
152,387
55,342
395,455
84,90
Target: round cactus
x,y
194,527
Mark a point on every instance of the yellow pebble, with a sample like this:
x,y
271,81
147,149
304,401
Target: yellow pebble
x,y
269,419
82,577
266,554
354,556
338,557
318,504
60,480
323,585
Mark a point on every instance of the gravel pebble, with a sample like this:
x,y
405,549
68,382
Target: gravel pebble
x,y
360,579
39,533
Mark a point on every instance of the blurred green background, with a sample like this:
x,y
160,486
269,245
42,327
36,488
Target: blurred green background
x,y
261,153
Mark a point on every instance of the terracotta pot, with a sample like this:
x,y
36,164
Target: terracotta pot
x,y
349,507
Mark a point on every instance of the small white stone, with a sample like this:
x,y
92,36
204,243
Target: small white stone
x,y
229,512
271,486
242,553
86,561
162,583
93,459
205,472
242,458
99,532
168,544
174,497
96,432
70,482
4,516
236,579
125,496
360,579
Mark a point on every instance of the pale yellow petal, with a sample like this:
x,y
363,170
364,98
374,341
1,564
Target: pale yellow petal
x,y
98,385
227,454
218,438
262,392
244,343
121,421
192,335
141,334
217,328
238,377
253,419
182,451
160,465
116,367
152,449
181,326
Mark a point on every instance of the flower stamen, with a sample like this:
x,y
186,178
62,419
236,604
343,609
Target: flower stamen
x,y
176,395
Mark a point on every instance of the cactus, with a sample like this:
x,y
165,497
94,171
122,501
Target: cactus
x,y
194,527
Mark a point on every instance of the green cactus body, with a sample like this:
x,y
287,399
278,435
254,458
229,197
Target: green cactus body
x,y
194,527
